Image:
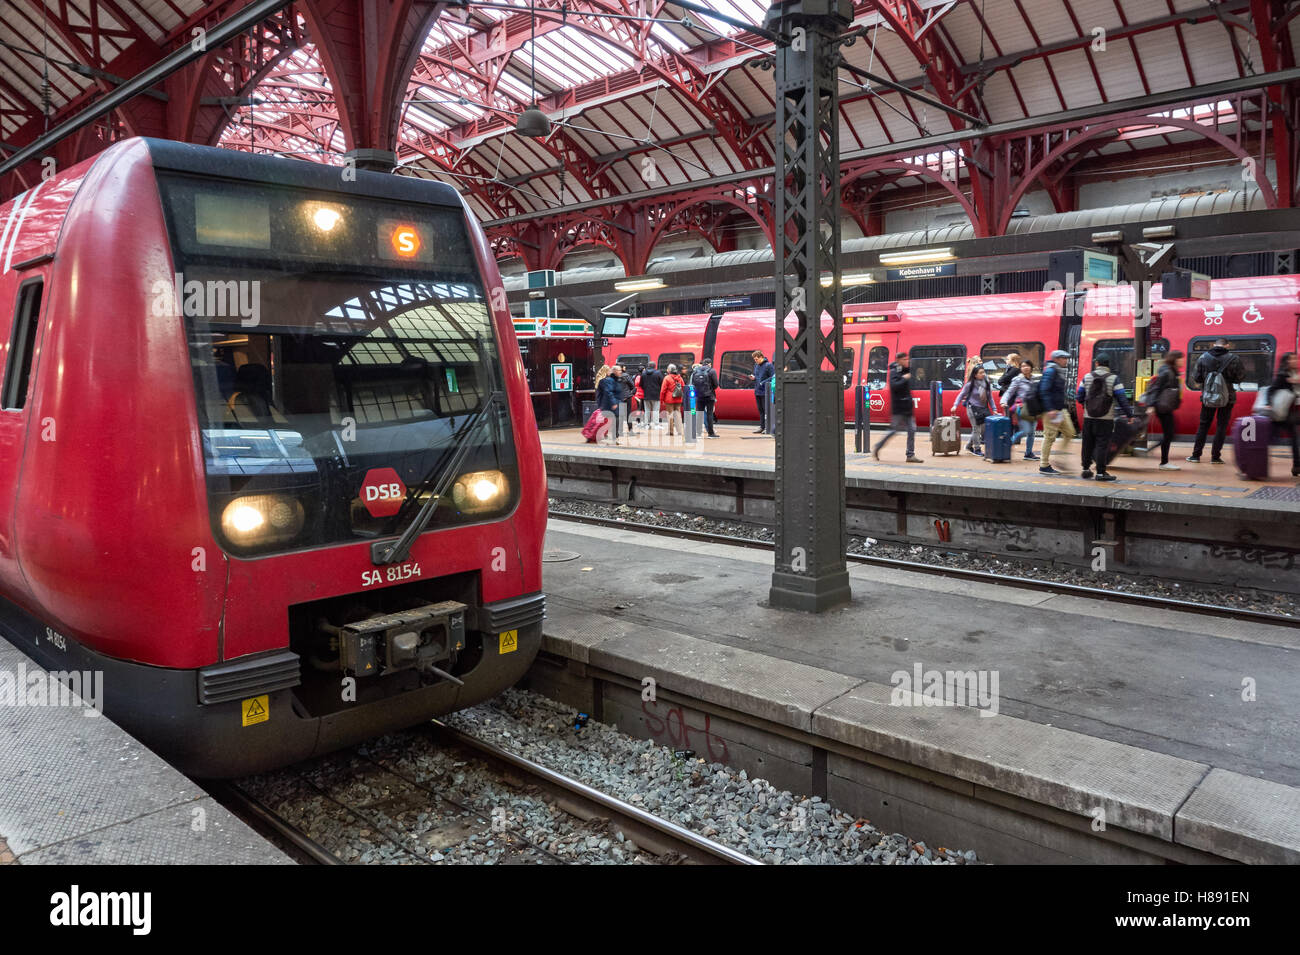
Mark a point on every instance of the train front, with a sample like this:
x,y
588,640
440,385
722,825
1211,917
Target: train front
x,y
373,475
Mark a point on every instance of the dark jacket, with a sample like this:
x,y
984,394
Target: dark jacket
x,y
1051,387
1225,362
627,387
1165,379
652,379
1116,388
1008,377
900,390
608,393
763,373
704,389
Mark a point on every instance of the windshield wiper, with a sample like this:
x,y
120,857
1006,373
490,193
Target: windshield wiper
x,y
392,552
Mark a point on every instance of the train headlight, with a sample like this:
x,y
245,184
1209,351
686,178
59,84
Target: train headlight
x,y
479,491
259,519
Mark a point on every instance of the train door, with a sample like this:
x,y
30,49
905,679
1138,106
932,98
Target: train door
x,y
876,351
21,300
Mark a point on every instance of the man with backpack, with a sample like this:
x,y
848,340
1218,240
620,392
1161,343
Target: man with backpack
x,y
652,380
705,382
1050,404
1216,373
1099,394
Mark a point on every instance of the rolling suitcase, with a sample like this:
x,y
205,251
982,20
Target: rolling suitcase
x,y
1250,439
1127,430
945,436
997,438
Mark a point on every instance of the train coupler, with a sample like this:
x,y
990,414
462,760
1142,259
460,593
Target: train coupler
x,y
410,639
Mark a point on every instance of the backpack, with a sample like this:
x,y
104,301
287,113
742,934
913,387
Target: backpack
x,y
1032,404
1098,401
700,381
677,389
1214,393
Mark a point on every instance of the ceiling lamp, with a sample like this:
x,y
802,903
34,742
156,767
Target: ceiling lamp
x,y
533,122
848,279
644,283
919,257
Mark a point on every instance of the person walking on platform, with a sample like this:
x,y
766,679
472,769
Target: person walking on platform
x,y
1013,400
627,400
671,393
1163,396
977,396
1100,394
608,391
1056,419
1008,376
652,380
1287,379
763,378
902,410
705,382
1217,372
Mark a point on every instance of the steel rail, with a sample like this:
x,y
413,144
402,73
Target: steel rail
x,y
689,844
253,811
979,576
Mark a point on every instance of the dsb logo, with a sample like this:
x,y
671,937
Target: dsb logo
x,y
382,492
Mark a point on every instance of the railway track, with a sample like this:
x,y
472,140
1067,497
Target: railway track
x,y
1027,583
668,841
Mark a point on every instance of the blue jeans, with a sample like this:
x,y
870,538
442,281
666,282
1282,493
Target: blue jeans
x,y
1027,428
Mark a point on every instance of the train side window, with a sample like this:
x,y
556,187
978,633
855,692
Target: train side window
x,y
946,363
846,366
22,345
735,369
1122,363
682,359
877,368
634,363
1257,353
995,356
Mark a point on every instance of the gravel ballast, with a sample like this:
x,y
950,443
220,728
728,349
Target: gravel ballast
x,y
750,815
408,798
1225,597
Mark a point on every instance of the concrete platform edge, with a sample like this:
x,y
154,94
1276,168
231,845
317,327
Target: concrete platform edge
x,y
1202,814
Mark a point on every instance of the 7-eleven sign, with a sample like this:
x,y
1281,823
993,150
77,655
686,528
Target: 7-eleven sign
x,y
562,377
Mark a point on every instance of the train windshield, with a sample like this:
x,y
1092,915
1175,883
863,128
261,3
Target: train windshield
x,y
339,357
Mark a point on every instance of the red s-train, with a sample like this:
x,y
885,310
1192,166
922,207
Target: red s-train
x,y
1260,317
232,386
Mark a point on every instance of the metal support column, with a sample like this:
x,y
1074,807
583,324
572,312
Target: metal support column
x,y
810,572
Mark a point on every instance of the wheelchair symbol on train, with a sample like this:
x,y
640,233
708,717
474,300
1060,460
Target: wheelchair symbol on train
x,y
1214,315
1252,315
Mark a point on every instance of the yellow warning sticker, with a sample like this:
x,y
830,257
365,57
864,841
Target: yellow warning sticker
x,y
256,710
509,641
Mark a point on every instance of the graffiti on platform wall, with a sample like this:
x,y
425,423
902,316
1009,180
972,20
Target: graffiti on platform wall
x,y
670,726
1263,556
1008,533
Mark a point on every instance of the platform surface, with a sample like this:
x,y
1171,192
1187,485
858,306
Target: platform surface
x,y
77,789
1195,488
1087,689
